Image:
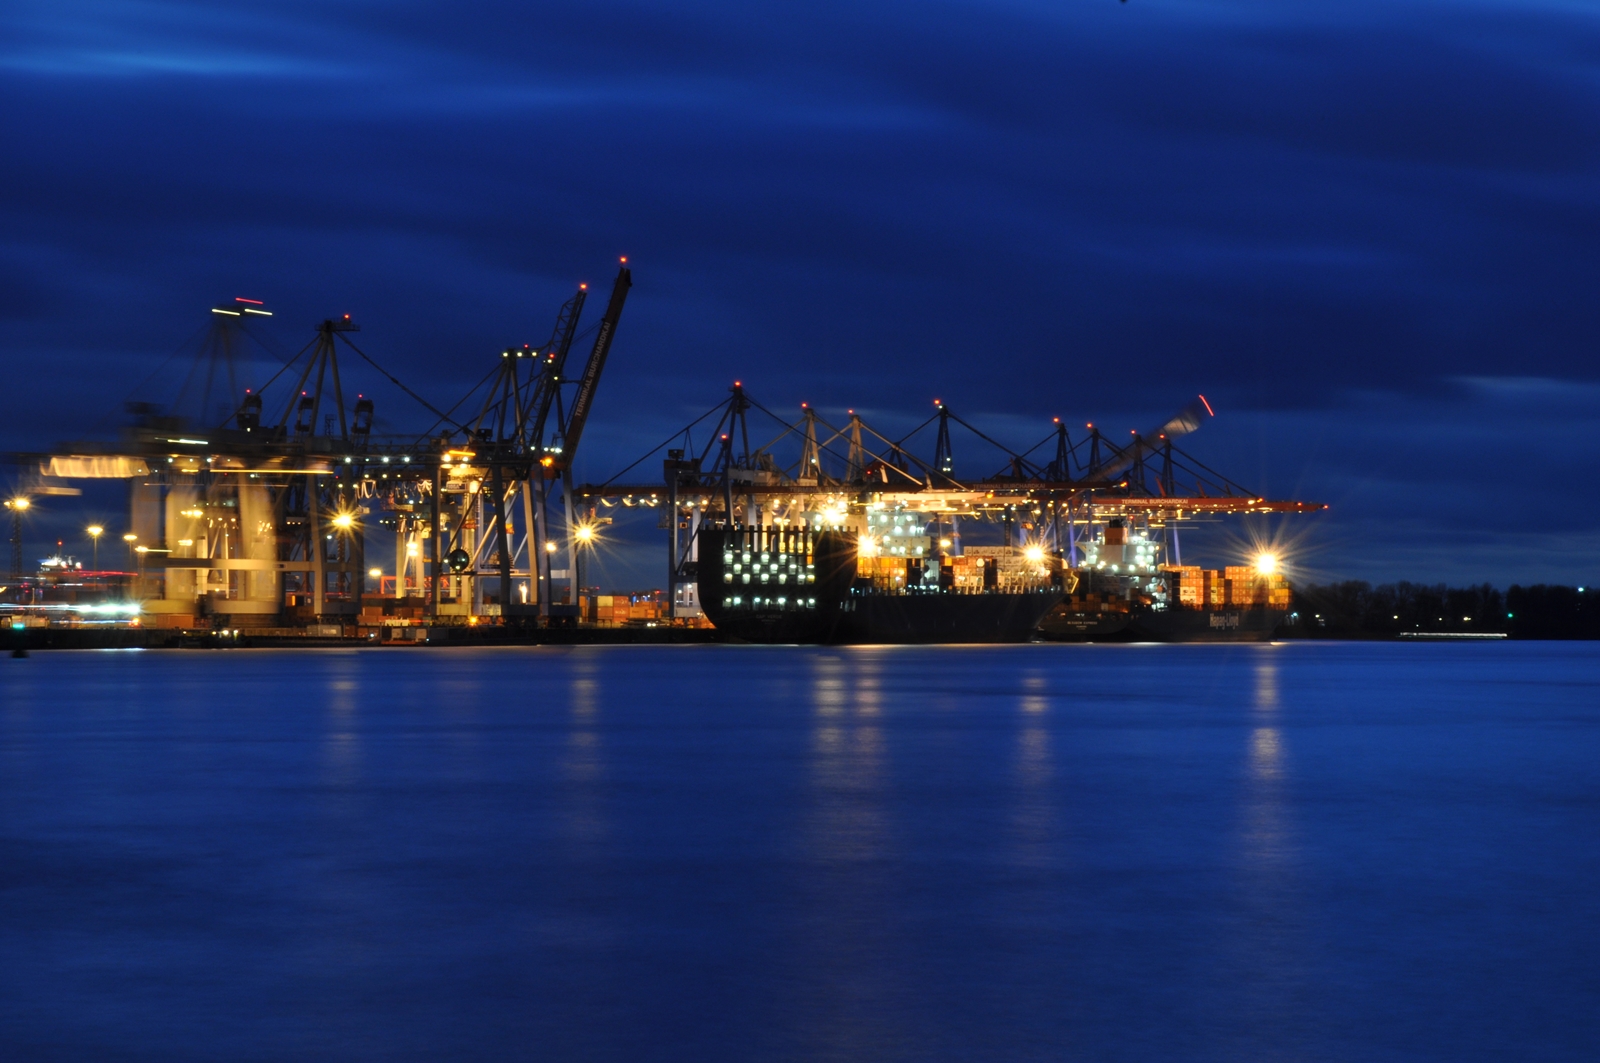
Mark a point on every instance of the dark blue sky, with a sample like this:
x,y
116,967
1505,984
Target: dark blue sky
x,y
1368,232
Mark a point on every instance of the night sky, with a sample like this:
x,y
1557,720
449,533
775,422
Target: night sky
x,y
1367,232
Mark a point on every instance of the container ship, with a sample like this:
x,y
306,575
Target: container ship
x,y
882,582
1122,594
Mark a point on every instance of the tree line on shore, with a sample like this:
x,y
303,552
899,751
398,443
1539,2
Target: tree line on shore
x,y
1356,609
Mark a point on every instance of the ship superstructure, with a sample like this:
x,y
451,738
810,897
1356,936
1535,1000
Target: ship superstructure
x,y
873,576
1126,590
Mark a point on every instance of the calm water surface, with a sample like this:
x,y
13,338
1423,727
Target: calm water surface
x,y
1301,852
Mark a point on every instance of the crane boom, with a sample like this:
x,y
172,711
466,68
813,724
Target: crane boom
x,y
1182,423
584,400
549,380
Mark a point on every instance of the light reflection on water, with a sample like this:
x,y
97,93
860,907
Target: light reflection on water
x,y
583,760
848,900
1034,812
1270,943
1267,833
718,853
847,766
341,752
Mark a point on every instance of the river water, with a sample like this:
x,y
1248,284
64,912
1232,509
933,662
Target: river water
x,y
1290,852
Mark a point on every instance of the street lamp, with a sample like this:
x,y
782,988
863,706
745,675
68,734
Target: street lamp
x,y
17,506
130,539
585,536
95,531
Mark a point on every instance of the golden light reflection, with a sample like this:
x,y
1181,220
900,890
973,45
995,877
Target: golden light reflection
x,y
1034,765
828,692
1033,833
341,746
1266,677
1267,837
1266,754
844,885
847,764
583,765
583,741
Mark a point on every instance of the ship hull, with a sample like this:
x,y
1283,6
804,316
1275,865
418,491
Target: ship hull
x,y
749,591
909,619
1164,625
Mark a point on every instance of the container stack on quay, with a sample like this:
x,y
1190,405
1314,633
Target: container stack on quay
x,y
1234,585
625,610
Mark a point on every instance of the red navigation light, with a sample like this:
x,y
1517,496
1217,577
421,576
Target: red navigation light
x,y
583,287
624,260
347,317
1057,420
1207,405
252,302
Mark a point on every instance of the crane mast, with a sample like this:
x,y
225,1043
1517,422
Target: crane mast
x,y
572,430
543,394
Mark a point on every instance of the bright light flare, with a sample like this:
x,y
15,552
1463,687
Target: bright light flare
x,y
20,503
1034,554
867,546
95,531
584,533
344,521
1266,564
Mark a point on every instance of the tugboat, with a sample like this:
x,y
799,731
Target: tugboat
x,y
880,583
1122,594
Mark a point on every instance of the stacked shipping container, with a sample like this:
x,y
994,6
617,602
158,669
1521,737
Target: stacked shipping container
x,y
617,609
1234,585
